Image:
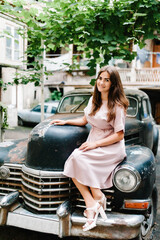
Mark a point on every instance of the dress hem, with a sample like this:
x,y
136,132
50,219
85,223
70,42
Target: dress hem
x,y
87,184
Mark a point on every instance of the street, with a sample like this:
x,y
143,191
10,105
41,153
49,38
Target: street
x,y
11,233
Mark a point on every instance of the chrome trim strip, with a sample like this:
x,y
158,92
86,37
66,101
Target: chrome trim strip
x,y
11,178
40,173
12,165
108,191
42,183
8,189
40,209
40,202
45,189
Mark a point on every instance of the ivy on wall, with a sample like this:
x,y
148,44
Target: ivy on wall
x,y
3,113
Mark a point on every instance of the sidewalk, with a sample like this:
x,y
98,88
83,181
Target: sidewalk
x,y
17,133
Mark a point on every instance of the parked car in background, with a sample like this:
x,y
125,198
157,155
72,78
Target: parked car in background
x,y
33,116
35,195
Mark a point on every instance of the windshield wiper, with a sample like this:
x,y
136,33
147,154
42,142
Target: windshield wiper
x,y
75,108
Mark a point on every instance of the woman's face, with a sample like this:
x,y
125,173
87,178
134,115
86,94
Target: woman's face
x,y
104,82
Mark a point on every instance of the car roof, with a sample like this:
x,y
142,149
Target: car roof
x,y
50,103
79,91
135,93
128,91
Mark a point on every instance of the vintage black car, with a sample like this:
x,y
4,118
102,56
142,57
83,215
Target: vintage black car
x,y
36,195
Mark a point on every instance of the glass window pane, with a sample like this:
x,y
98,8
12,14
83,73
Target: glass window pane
x,y
145,109
133,106
74,103
8,53
16,55
8,29
16,45
8,42
53,110
45,108
37,109
16,36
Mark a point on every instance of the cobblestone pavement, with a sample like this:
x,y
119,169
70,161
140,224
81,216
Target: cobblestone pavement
x,y
11,233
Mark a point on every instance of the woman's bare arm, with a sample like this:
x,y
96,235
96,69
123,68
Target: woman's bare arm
x,y
77,122
115,137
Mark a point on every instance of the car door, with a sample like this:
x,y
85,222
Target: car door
x,y
148,122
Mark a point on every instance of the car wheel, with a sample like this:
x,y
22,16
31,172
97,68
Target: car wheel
x,y
147,225
20,122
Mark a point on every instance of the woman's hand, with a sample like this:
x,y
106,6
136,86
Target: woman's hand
x,y
87,146
58,122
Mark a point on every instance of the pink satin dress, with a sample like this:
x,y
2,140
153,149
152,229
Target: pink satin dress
x,y
94,168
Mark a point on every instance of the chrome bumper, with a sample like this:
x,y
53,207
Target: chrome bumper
x,y
117,226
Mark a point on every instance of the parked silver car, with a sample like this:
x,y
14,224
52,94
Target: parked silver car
x,y
34,115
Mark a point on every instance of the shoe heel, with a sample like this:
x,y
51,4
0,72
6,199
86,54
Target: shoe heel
x,y
102,213
104,203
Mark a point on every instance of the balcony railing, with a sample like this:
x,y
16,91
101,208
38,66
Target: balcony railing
x,y
144,76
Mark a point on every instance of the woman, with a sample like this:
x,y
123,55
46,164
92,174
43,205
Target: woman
x,y
92,164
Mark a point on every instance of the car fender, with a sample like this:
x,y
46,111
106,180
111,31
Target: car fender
x,y
13,151
141,159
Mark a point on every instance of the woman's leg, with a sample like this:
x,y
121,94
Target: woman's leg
x,y
87,196
96,193
93,207
99,197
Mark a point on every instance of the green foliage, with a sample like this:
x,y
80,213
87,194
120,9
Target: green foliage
x,y
3,110
101,29
56,95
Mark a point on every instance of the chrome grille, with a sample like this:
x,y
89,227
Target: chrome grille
x,y
13,182
109,193
45,190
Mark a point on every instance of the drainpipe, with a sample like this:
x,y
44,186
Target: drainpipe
x,y
1,124
42,80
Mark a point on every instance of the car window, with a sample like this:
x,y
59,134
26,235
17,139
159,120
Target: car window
x,y
74,103
53,110
145,108
38,108
133,106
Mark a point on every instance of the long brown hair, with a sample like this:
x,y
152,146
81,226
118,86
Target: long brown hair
x,y
116,93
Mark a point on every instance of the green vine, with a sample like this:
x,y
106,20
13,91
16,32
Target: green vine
x,y
3,110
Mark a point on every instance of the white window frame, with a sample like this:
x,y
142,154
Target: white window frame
x,y
15,43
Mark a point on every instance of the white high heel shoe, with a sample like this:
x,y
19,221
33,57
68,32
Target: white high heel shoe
x,y
102,203
91,222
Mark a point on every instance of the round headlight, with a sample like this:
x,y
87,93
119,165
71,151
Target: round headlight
x,y
126,179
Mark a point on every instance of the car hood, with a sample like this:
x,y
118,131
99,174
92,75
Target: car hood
x,y
50,145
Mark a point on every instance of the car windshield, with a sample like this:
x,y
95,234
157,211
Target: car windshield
x,y
77,103
74,103
133,106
